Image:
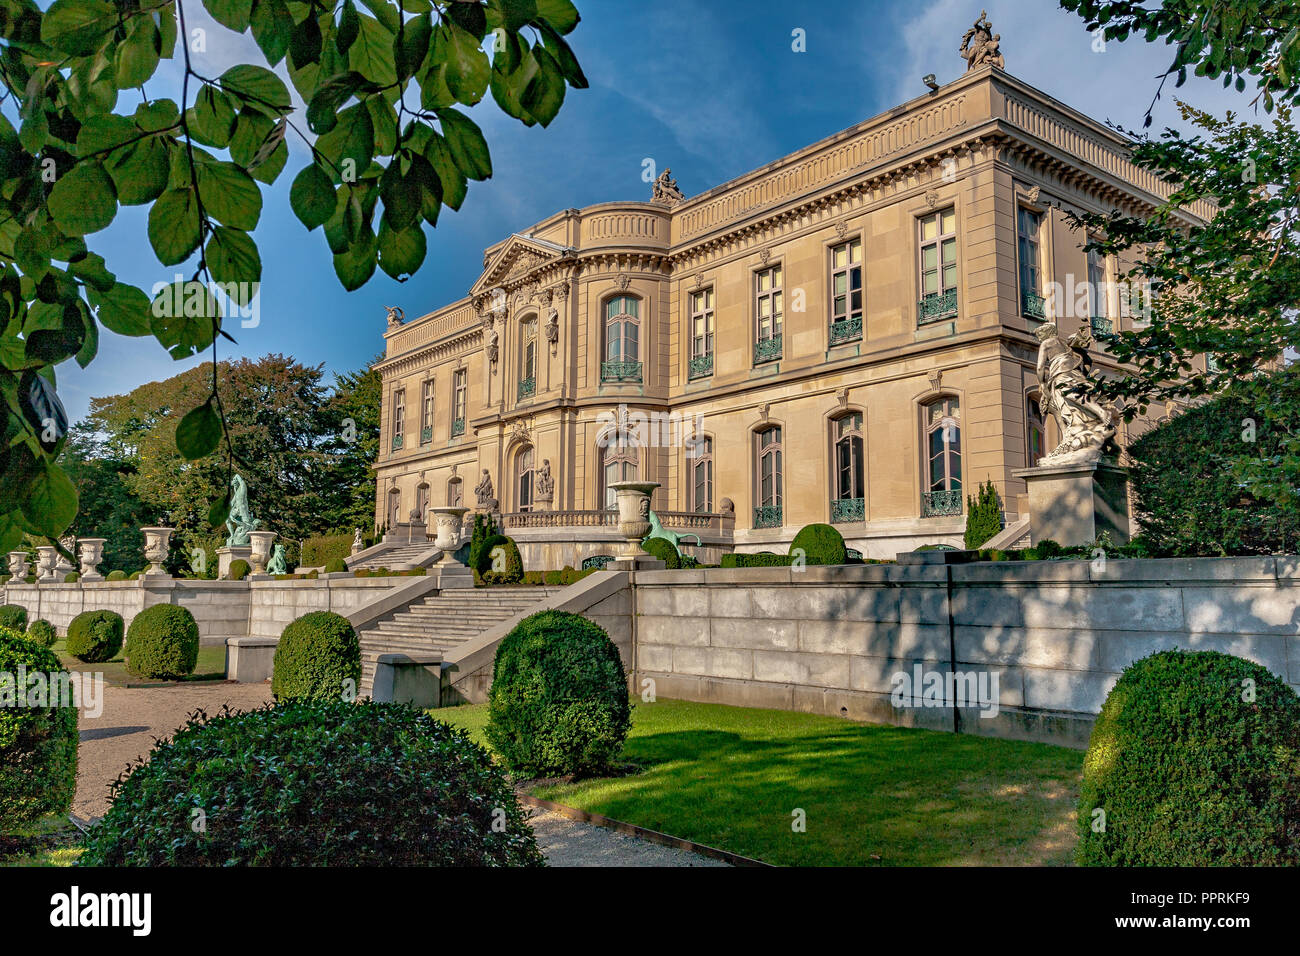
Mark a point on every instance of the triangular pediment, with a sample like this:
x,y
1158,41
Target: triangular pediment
x,y
519,256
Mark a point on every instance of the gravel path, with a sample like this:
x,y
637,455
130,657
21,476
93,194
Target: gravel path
x,y
133,717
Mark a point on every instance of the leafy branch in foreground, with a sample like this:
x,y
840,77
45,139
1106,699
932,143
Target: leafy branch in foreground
x,y
382,89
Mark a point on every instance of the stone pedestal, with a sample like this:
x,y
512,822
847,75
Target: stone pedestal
x,y
228,556
91,553
1073,504
260,542
633,498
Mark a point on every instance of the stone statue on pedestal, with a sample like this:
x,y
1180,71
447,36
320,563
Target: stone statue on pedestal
x,y
483,490
241,520
358,543
1087,426
981,46
665,189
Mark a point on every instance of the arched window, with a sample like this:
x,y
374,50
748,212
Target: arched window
x,y
394,516
699,459
767,449
622,340
619,461
849,501
1035,431
942,423
422,501
524,478
453,492
527,357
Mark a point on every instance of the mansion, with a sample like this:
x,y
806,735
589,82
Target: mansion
x,y
845,335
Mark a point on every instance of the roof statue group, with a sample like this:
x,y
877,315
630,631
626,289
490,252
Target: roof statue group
x,y
980,45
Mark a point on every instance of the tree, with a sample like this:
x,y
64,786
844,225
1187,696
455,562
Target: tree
x,y
350,446
382,89
109,509
983,516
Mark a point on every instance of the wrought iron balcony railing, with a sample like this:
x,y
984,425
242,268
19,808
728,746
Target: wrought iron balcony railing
x,y
620,371
426,434
846,330
767,517
767,350
937,504
457,427
1102,325
1031,304
844,510
701,366
936,307
397,441
527,387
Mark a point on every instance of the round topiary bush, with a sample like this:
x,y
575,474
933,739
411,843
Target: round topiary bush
x,y
38,740
318,658
664,551
14,617
134,576
72,577
162,642
821,544
42,632
513,570
117,575
559,701
1193,762
335,566
239,569
362,784
95,636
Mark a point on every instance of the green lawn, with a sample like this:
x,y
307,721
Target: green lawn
x,y
731,777
211,666
50,841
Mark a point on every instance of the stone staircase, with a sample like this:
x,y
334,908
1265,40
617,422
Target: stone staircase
x,y
398,558
438,622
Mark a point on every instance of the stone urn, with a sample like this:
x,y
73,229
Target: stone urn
x,y
157,544
18,566
261,544
47,559
633,499
448,522
91,553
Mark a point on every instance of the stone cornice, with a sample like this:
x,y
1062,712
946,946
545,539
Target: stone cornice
x,y
398,365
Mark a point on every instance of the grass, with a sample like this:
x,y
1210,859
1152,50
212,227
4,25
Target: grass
x,y
211,666
733,777
50,841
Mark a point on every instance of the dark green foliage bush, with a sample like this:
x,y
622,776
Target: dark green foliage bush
x,y
335,566
42,632
38,744
72,577
95,636
983,516
361,784
1195,760
134,575
239,569
162,642
559,701
14,617
117,575
1189,503
568,575
484,528
552,578
514,563
665,551
821,544
1047,548
322,549
737,560
318,658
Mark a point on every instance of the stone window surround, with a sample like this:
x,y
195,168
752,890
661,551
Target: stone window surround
x,y
759,453
830,245
775,262
922,406
708,313
860,432
607,321
692,463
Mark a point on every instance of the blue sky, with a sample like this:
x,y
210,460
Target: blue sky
x,y
710,89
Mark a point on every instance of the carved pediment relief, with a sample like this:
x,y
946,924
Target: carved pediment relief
x,y
516,259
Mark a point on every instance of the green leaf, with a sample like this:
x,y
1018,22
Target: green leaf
x,y
401,252
559,48
353,139
272,28
323,108
454,186
384,119
174,226
372,53
102,134
220,510
349,27
401,196
234,14
258,88
50,503
90,344
516,13
312,196
305,41
136,57
91,269
508,87
229,195
199,432
387,14
468,69
139,171
78,26
355,266
544,94
184,318
468,147
212,119
413,46
234,262
561,14
123,309
157,115
84,199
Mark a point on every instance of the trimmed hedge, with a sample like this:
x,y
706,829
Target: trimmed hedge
x,y
665,551
821,544
14,617
117,575
162,642
335,566
72,577
362,784
318,658
322,549
239,569
1195,761
95,636
559,701
514,563
42,632
38,744
735,560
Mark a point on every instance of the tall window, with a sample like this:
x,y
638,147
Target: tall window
x,y
769,310
849,496
426,411
422,502
1098,293
399,417
846,291
767,512
701,333
618,463
1028,226
700,462
394,507
524,478
938,265
459,399
622,329
943,457
453,492
528,357
1035,431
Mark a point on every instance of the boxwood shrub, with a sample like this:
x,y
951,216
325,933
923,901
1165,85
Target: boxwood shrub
x,y
117,575
318,658
362,784
239,569
38,744
95,636
42,632
736,560
14,617
514,564
335,566
665,551
1194,760
559,701
821,544
162,642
